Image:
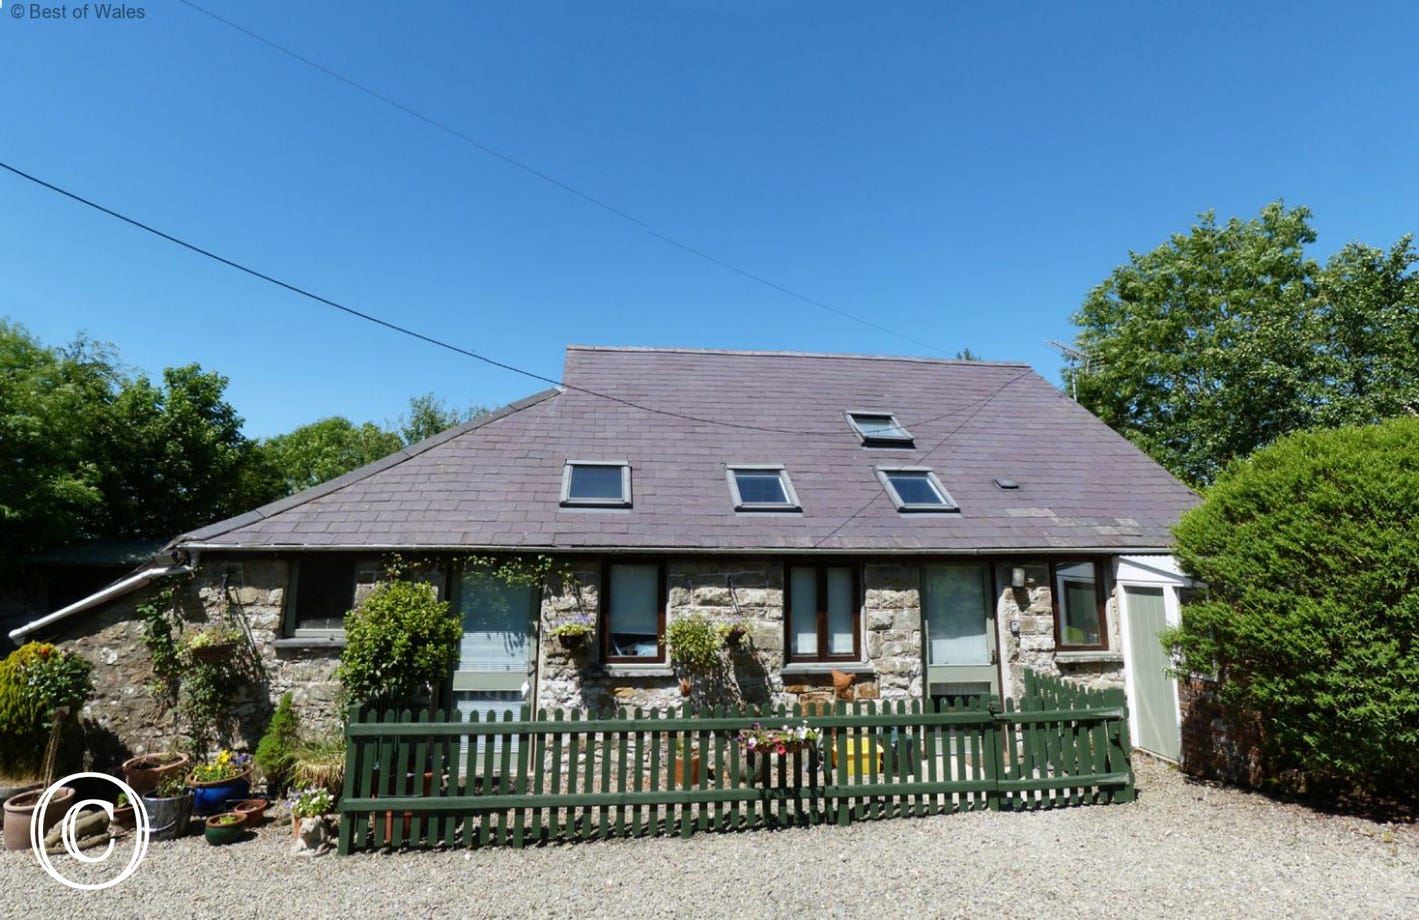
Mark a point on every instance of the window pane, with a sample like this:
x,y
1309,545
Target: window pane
x,y
1079,604
879,427
840,606
915,489
634,613
956,615
596,483
803,612
325,592
760,488
496,621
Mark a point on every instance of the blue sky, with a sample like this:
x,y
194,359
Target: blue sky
x,y
959,173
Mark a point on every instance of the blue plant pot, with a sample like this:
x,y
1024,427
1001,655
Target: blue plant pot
x,y
215,798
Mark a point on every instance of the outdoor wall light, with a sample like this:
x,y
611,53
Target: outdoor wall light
x,y
1017,577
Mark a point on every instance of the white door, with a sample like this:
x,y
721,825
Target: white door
x,y
1155,695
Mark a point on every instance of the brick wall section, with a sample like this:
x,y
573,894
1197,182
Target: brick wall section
x,y
1217,743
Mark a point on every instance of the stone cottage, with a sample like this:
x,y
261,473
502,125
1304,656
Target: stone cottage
x,y
928,527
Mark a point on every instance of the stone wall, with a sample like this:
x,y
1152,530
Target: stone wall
x,y
251,591
749,593
1032,644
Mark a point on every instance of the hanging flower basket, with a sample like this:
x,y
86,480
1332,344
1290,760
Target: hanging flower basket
x,y
213,654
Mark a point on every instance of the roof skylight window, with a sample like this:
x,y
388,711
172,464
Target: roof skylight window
x,y
915,489
597,483
879,429
761,487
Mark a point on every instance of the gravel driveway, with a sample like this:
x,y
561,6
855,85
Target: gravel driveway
x,y
1182,850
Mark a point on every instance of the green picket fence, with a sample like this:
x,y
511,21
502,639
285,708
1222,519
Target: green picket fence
x,y
431,779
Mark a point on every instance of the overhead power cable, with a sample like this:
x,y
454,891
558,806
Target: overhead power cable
x,y
975,410
395,327
558,183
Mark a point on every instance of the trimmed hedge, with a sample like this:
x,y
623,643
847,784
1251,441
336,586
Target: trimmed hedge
x,y
1310,550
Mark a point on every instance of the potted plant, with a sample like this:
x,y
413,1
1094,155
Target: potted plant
x,y
574,633
145,771
123,812
790,738
213,644
687,763
315,802
252,811
169,808
400,643
695,642
41,687
214,784
224,828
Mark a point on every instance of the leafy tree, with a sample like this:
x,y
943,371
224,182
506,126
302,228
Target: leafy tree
x,y
1223,339
428,415
87,452
177,456
323,450
1311,558
50,465
965,354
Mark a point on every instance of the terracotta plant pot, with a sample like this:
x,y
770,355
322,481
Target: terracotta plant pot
x,y
254,810
224,828
687,771
19,814
125,817
143,772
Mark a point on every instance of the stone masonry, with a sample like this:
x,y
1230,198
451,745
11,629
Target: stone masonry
x,y
250,591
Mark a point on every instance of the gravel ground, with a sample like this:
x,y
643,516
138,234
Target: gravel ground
x,y
1184,849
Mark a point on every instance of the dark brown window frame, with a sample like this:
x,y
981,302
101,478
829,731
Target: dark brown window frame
x,y
1101,595
821,577
603,619
300,565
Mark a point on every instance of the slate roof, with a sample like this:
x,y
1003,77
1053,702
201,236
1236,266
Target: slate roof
x,y
495,483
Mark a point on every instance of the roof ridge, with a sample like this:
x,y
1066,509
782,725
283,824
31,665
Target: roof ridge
x,y
360,473
732,352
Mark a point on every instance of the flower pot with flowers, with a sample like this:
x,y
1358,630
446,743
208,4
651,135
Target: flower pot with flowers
x,y
314,802
756,739
574,633
214,784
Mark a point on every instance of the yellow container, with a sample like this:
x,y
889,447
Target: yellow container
x,y
862,758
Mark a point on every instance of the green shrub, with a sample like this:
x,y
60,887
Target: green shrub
x,y
400,643
275,754
1311,553
694,643
22,721
40,687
